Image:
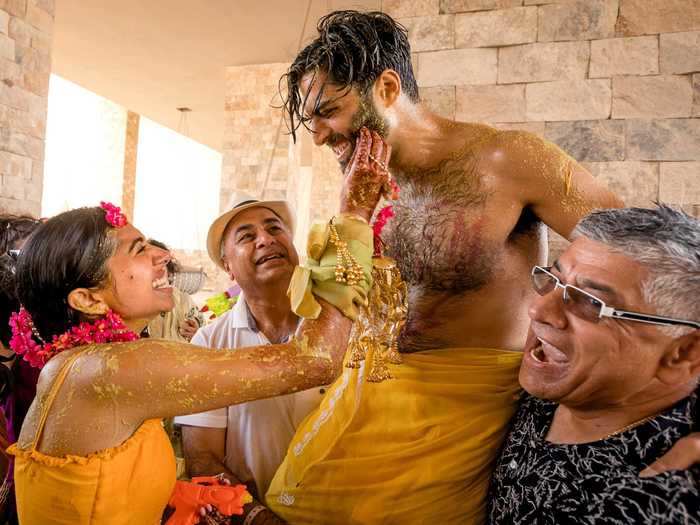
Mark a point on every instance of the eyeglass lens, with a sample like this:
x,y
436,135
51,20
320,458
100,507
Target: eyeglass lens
x,y
576,301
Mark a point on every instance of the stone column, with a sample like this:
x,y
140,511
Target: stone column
x,y
131,147
252,147
25,65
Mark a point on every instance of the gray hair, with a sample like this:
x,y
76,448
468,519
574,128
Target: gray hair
x,y
667,242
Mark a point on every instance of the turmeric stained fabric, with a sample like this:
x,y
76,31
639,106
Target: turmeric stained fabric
x,y
127,484
318,275
416,449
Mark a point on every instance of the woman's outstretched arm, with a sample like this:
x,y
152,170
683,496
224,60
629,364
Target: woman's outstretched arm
x,y
157,378
111,389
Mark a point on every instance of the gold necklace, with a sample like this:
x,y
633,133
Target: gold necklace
x,y
630,426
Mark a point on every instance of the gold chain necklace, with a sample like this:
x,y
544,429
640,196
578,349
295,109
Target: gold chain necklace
x,y
631,426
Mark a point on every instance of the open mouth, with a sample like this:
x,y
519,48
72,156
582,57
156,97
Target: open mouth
x,y
267,258
544,352
162,283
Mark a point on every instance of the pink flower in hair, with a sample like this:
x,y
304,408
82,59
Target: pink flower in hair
x,y
113,214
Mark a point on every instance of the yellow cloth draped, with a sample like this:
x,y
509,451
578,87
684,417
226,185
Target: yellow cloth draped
x,y
416,449
319,273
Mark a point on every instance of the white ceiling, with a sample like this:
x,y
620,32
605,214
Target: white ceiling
x,y
152,56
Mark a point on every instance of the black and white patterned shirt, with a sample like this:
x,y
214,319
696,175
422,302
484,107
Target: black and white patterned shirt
x,y
538,483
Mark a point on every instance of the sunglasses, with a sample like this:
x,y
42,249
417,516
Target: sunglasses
x,y
587,306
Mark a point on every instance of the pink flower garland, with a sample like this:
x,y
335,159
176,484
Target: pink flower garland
x,y
109,329
386,213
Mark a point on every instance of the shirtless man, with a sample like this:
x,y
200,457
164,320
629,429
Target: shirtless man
x,y
469,225
474,200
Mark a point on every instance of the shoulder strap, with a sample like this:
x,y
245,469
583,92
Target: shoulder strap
x,y
57,383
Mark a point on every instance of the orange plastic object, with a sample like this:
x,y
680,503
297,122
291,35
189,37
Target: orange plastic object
x,y
189,497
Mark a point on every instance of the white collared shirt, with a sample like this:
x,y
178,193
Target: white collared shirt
x,y
258,432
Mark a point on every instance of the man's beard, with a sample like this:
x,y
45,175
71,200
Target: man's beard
x,y
366,116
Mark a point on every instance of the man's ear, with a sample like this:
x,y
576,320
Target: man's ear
x,y
87,301
228,269
387,87
681,362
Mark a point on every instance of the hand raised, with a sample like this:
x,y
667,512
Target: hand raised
x,y
367,175
684,453
187,328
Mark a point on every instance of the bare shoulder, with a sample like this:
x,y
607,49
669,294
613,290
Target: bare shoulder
x,y
517,138
524,160
472,136
45,384
544,178
49,374
88,365
526,148
496,147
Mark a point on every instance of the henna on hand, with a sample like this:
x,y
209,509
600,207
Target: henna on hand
x,y
367,177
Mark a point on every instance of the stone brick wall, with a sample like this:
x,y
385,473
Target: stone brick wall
x,y
616,83
25,65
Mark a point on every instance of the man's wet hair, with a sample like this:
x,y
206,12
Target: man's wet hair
x,y
352,49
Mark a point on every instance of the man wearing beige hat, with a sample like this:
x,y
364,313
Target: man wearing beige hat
x,y
252,242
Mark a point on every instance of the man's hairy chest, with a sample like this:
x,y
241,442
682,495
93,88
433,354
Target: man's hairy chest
x,y
450,226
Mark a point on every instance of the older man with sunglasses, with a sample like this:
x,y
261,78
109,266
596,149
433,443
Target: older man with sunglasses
x,y
611,372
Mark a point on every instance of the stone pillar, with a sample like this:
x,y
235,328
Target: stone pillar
x,y
25,65
252,146
131,147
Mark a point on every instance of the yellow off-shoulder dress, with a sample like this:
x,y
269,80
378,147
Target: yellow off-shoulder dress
x,y
127,484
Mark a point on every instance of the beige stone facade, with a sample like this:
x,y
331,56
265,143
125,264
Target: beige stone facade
x,y
25,65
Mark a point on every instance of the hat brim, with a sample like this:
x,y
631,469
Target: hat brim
x,y
218,227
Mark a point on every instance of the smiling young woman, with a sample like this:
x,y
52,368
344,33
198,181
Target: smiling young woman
x,y
92,449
